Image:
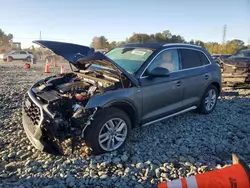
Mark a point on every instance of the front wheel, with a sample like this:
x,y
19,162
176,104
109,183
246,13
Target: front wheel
x,y
108,131
209,100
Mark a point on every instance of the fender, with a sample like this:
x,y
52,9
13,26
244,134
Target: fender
x,y
120,103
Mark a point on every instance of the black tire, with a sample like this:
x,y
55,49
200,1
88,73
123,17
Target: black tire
x,y
202,108
93,130
10,59
28,59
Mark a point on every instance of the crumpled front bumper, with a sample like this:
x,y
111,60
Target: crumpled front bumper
x,y
33,131
42,128
26,124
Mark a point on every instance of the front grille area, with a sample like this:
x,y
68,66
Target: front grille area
x,y
33,114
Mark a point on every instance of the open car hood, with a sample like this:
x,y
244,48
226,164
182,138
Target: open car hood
x,y
83,56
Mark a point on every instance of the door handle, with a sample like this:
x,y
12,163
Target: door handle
x,y
178,83
206,76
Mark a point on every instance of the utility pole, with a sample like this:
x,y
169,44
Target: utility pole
x,y
42,50
224,33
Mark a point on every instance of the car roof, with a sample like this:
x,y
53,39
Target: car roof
x,y
245,50
157,45
145,45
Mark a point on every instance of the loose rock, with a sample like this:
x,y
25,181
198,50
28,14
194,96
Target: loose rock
x,y
178,147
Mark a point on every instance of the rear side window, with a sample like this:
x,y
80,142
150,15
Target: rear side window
x,y
203,59
22,52
192,58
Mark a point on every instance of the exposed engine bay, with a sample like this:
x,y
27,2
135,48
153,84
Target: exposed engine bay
x,y
64,98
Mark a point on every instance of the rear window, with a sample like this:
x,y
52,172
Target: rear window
x,y
192,59
243,53
203,58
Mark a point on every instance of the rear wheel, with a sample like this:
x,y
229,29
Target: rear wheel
x,y
9,59
108,131
209,100
28,59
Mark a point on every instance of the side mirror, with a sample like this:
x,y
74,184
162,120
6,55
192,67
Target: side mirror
x,y
217,61
159,72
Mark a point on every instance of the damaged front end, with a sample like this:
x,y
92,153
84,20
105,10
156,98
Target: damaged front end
x,y
54,109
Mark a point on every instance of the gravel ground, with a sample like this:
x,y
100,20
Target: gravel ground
x,y
179,147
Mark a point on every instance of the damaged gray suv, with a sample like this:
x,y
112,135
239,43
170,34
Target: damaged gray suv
x,y
105,96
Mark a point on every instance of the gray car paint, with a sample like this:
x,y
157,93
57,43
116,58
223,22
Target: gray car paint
x,y
151,100
162,96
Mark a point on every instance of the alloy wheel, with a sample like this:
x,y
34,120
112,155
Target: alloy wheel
x,y
113,134
210,100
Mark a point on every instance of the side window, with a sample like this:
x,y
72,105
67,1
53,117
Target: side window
x,y
22,52
168,59
190,59
203,59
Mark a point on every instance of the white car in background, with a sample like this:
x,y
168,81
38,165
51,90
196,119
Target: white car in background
x,y
18,55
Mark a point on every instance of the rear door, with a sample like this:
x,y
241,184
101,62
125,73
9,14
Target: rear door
x,y
195,75
23,55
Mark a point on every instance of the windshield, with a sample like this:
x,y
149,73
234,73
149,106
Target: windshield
x,y
129,59
243,53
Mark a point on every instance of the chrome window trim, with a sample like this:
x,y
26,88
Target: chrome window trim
x,y
176,48
182,45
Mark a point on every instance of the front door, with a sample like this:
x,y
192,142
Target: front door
x,y
161,95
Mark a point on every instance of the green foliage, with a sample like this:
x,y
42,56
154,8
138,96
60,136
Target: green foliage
x,y
231,47
5,41
5,38
166,36
113,44
100,42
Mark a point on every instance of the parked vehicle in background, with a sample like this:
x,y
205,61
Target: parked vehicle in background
x,y
236,68
218,57
18,55
133,85
2,56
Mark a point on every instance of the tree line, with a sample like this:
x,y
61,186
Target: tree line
x,y
230,47
101,42
5,41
